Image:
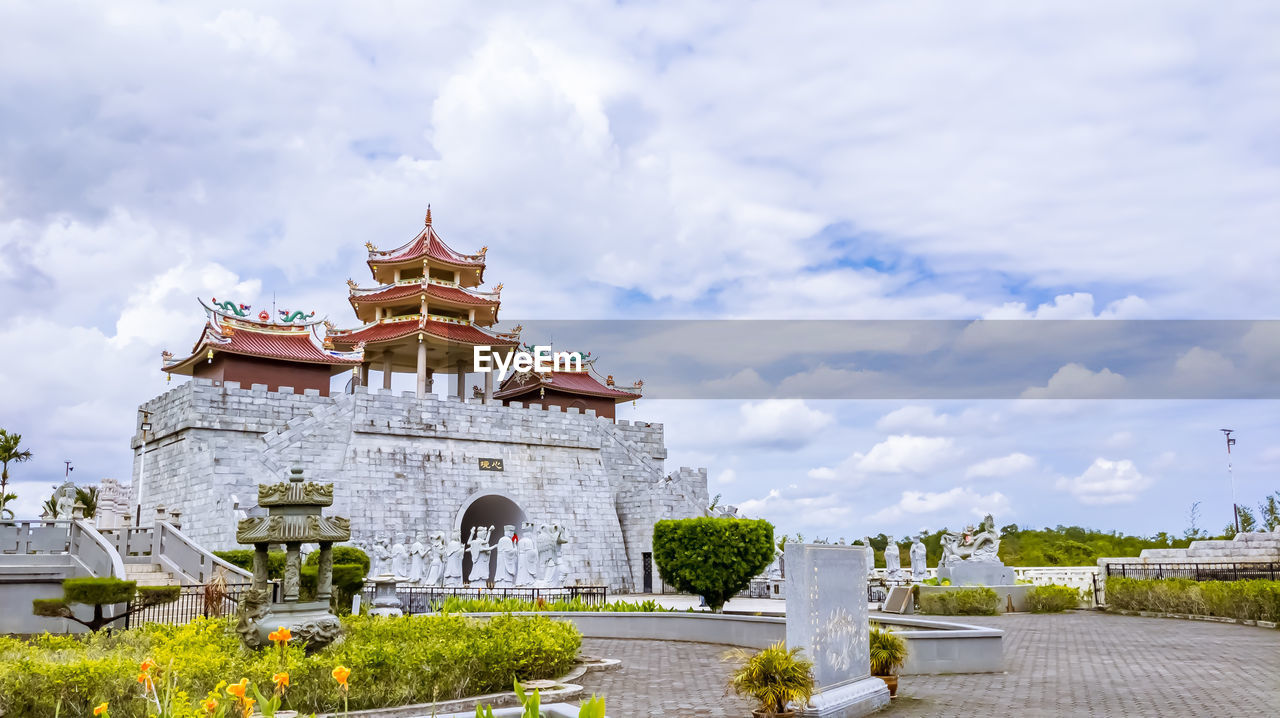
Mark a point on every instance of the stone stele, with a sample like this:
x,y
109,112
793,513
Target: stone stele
x,y
293,519
827,617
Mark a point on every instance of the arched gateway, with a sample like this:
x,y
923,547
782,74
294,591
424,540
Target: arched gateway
x,y
487,508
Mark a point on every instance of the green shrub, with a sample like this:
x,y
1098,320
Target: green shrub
x,y
774,677
1257,600
98,592
455,604
712,557
243,557
397,661
888,651
1052,598
341,555
975,601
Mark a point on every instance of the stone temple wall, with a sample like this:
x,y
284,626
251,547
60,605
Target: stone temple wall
x,y
402,465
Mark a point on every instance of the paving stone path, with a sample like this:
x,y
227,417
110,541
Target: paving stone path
x,y
1076,664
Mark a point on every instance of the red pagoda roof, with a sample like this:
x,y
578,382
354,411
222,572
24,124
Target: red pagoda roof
x,y
567,382
389,330
413,289
266,339
426,244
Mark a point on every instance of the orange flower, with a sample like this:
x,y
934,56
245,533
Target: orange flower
x,y
238,689
280,679
100,709
210,705
147,665
281,635
145,680
248,707
340,675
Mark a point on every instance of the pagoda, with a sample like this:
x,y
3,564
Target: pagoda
x,y
284,350
568,388
425,313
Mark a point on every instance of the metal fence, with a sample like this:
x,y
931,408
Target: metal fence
x,y
429,599
195,601
1196,571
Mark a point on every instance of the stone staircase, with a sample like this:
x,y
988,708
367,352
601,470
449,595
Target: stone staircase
x,y
149,574
1248,547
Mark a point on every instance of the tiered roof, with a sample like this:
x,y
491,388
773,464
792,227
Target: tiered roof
x,y
581,383
290,336
426,246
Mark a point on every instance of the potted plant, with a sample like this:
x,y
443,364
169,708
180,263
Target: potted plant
x,y
888,654
774,678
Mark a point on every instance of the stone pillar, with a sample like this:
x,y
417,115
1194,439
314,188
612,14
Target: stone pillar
x,y
364,374
292,572
324,573
161,514
462,381
424,384
488,387
386,371
260,567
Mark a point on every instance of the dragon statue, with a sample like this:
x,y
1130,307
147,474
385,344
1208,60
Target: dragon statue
x,y
289,317
239,310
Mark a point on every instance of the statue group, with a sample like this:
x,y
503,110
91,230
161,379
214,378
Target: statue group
x,y
532,559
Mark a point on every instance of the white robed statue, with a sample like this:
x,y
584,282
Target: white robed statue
x,y
453,562
505,574
400,559
480,552
919,567
417,560
527,566
892,561
435,552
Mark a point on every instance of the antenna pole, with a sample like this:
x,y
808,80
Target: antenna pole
x,y
1235,507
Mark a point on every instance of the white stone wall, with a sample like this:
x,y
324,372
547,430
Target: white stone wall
x,y
404,465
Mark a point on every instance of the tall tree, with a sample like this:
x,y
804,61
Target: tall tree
x,y
1269,511
10,451
89,499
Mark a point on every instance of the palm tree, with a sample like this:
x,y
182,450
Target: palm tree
x,y
9,451
89,498
4,510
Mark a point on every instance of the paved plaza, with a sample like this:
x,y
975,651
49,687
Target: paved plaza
x,y
1076,664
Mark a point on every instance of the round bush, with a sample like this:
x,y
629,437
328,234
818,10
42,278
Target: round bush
x,y
1052,598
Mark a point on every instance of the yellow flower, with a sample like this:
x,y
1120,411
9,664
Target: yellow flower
x,y
340,675
238,689
100,709
281,635
280,679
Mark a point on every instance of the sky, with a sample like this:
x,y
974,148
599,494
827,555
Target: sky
x,y
783,161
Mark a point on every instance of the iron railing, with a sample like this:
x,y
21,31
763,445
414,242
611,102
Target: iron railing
x,y
194,601
429,599
1196,571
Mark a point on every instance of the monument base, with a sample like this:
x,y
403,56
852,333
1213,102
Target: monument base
x,y
311,623
848,700
968,573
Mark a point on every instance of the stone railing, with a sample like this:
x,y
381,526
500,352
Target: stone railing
x,y
166,545
74,538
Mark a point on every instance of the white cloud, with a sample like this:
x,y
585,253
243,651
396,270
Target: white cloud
x,y
1077,305
782,423
726,476
956,502
919,418
1107,482
1000,467
1074,381
897,454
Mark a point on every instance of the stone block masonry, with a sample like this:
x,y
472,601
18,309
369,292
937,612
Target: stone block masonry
x,y
404,465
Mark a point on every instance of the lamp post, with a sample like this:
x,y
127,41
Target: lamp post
x,y
1235,508
142,466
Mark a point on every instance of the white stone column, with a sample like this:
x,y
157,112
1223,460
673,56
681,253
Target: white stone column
x,y
462,381
488,387
423,384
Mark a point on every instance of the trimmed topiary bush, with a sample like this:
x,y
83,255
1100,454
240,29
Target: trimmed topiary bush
x,y
975,601
243,557
715,558
1257,600
341,555
99,592
1052,598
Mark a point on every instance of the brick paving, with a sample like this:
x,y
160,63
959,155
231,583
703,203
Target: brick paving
x,y
1076,664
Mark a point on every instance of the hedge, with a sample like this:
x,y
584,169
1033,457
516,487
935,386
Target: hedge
x,y
976,601
1257,600
393,661
1052,598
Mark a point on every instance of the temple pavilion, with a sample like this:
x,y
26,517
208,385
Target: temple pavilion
x,y
284,350
579,389
424,313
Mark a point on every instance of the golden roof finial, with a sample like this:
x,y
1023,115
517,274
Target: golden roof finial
x,y
370,246
351,283
428,215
